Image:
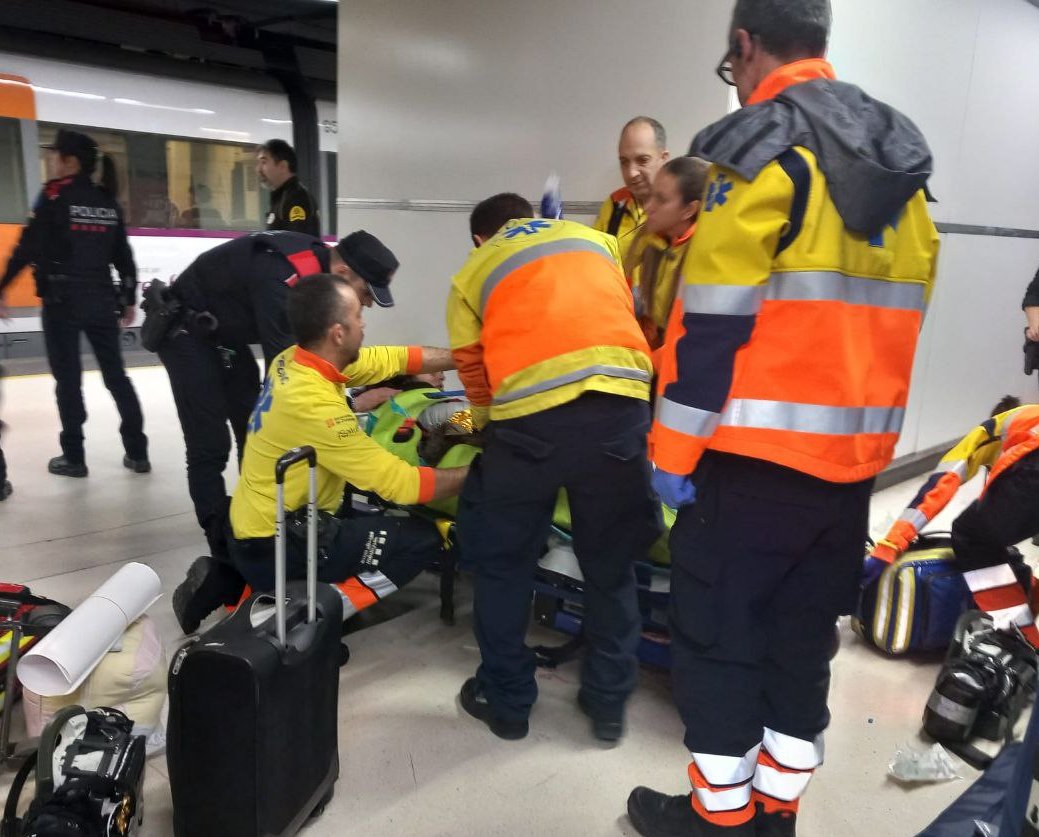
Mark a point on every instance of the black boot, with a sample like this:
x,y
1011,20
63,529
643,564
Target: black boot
x,y
63,468
138,466
607,723
778,824
475,703
208,585
655,814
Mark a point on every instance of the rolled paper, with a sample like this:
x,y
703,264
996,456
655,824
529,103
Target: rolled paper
x,y
61,661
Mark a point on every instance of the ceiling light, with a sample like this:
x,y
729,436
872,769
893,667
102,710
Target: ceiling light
x,y
243,134
75,93
139,104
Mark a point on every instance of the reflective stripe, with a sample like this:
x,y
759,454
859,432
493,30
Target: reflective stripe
x,y
957,467
379,584
803,286
728,799
572,377
348,606
688,420
988,578
795,753
532,254
727,770
831,286
1018,615
739,300
915,518
811,418
780,785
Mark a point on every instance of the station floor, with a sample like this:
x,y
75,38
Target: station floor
x,y
412,762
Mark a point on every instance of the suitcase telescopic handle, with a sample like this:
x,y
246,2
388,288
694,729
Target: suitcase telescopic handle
x,y
291,457
286,461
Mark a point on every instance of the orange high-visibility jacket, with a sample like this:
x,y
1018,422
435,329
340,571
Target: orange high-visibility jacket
x,y
797,335
540,314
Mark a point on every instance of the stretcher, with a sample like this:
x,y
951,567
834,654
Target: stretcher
x,y
425,426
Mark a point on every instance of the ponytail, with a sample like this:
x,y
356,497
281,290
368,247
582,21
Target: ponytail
x,y
109,180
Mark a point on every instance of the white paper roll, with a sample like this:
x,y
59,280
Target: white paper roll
x,y
61,661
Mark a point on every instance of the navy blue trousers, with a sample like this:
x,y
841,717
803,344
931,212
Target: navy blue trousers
x,y
595,448
762,564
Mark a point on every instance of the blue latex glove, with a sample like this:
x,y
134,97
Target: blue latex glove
x,y
674,490
871,570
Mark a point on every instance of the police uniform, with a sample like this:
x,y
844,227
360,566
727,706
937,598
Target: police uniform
x,y
243,285
292,208
782,392
74,235
304,403
545,341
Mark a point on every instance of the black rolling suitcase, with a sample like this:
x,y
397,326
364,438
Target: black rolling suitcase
x,y
252,737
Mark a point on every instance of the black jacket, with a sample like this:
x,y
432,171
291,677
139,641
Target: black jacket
x,y
1031,293
873,157
244,284
293,209
76,231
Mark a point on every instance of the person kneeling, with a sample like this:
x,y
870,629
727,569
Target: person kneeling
x,y
303,403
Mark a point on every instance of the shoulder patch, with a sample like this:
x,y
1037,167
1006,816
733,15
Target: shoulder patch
x,y
718,192
297,213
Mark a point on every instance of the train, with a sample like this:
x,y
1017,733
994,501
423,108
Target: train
x,y
184,152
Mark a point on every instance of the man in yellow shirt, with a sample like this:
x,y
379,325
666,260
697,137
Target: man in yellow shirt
x,y
642,150
303,403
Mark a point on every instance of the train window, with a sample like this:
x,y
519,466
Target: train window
x,y
214,184
112,144
13,205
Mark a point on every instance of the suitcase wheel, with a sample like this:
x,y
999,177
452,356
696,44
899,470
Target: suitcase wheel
x,y
319,809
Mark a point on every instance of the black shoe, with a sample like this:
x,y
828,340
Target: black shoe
x,y
63,468
657,815
474,702
606,726
138,466
198,595
5,490
778,824
344,654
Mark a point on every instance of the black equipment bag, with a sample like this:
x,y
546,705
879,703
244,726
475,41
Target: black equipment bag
x,y
988,679
89,778
252,734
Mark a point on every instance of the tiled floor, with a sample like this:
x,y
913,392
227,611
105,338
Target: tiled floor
x,y
412,762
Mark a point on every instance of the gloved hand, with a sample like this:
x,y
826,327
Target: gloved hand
x,y
887,550
872,568
674,490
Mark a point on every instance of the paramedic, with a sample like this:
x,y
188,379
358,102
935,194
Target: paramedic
x,y
564,385
303,403
642,150
1005,514
781,396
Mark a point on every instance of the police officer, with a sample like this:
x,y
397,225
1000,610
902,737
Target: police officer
x,y
292,207
74,234
235,295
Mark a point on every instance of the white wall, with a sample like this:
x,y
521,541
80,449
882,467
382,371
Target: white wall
x,y
452,101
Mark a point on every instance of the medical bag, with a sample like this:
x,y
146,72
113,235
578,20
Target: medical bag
x,y
915,602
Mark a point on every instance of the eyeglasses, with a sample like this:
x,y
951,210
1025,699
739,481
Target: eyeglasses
x,y
724,68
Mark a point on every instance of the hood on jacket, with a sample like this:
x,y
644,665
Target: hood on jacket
x,y
873,157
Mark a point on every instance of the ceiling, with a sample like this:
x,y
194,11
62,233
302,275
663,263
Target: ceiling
x,y
244,43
